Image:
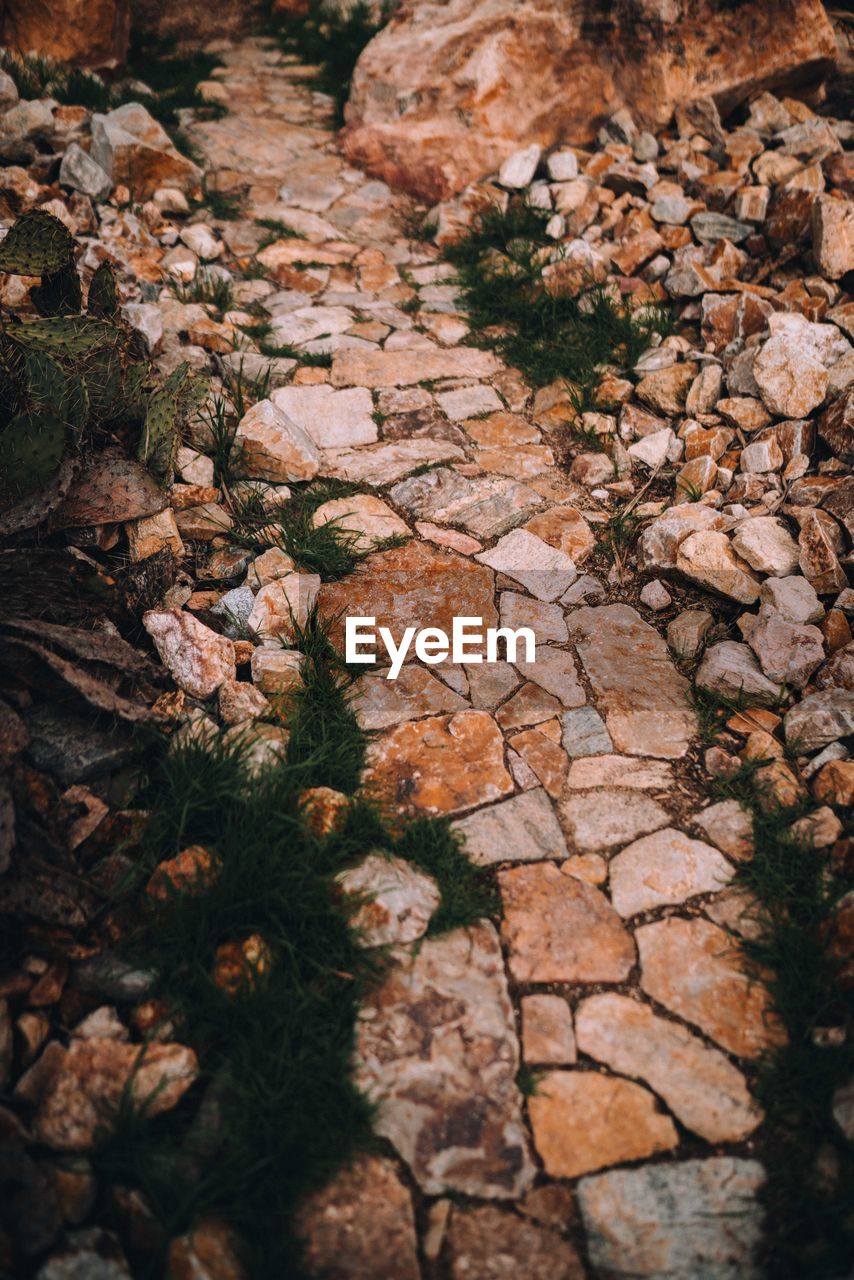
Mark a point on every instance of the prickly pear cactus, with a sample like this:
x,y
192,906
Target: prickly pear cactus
x,y
31,450
103,300
158,443
59,294
64,336
37,245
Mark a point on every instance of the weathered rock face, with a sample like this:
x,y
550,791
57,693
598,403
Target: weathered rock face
x,y
89,33
443,94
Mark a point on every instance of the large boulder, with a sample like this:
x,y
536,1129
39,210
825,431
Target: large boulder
x,y
88,33
446,92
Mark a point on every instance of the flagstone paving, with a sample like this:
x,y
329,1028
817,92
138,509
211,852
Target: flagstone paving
x,y
606,975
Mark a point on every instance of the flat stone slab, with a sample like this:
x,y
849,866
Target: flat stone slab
x,y
364,517
626,772
554,670
444,764
394,901
522,829
380,703
485,1243
437,1051
486,506
558,929
598,820
699,1084
415,585
664,868
584,1121
643,696
545,571
333,419
381,464
695,970
404,368
698,1218
364,1215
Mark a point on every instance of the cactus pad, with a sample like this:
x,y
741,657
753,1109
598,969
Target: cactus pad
x,y
59,294
64,336
31,451
103,300
37,245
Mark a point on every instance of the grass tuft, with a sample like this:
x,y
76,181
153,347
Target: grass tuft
x,y
499,266
332,37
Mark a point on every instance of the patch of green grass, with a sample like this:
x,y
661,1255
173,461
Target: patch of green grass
x,y
332,38
329,550
808,1195
208,288
499,266
619,534
172,77
279,231
220,204
468,892
312,359
275,1112
38,77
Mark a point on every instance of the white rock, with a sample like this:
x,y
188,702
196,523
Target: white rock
x,y
194,467
282,606
656,596
766,544
395,900
793,598
731,669
147,319
202,241
79,171
518,170
332,419
543,570
792,380
198,659
664,868
365,517
708,558
562,166
273,447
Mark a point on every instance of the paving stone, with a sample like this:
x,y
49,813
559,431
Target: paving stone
x,y
564,527
379,702
620,771
699,1084
554,670
368,519
664,868
522,829
486,506
583,1121
547,1034
598,820
558,929
467,402
543,570
544,757
486,1244
729,826
437,1051
440,765
381,464
694,970
403,368
643,697
545,620
690,1218
360,1225
414,585
584,733
396,900
333,419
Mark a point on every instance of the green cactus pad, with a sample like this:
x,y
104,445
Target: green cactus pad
x,y
65,336
103,300
102,373
31,450
37,245
158,442
59,294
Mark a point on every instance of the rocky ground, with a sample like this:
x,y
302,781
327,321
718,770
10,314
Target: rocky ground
x,y
569,1089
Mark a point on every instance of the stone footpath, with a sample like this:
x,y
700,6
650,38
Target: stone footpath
x,y
568,1094
613,975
